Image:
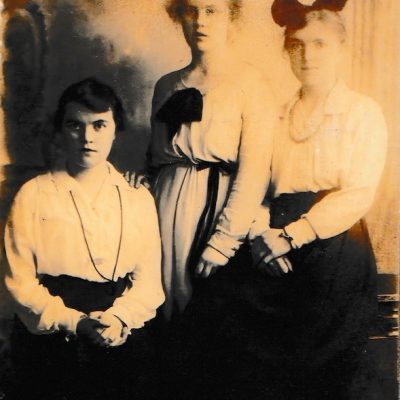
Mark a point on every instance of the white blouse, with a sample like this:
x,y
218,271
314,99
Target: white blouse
x,y
44,236
346,154
239,116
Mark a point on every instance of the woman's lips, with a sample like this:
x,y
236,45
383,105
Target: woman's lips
x,y
200,35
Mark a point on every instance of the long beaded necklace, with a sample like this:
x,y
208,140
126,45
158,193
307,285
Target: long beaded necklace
x,y
87,243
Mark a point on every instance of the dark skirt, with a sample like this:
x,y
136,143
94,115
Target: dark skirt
x,y
248,335
55,367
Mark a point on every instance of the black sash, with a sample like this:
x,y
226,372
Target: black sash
x,y
206,222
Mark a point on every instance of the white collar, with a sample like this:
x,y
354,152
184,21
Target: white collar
x,y
337,101
65,182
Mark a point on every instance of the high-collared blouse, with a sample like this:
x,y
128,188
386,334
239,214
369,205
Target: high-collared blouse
x,y
345,155
44,235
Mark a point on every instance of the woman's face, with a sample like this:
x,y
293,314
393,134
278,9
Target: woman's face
x,y
205,24
315,52
88,135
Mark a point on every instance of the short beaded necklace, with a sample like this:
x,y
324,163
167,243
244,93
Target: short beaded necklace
x,y
308,125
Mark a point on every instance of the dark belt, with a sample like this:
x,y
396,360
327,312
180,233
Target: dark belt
x,y
289,207
83,295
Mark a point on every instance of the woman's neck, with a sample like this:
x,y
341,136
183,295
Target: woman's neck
x,y
314,94
205,67
90,179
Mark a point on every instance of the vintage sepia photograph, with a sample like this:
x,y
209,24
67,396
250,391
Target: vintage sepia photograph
x,y
199,199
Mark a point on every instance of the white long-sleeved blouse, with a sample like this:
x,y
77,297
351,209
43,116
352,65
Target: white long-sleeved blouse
x,y
44,236
239,116
346,155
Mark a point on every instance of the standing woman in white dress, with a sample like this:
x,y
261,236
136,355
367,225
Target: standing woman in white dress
x,y
301,333
212,124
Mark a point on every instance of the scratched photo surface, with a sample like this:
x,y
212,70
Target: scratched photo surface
x,y
48,45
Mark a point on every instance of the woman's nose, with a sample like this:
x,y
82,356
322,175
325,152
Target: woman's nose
x,y
308,54
201,18
89,134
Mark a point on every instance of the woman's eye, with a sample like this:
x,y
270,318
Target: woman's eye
x,y
98,126
73,126
319,44
294,46
190,12
210,11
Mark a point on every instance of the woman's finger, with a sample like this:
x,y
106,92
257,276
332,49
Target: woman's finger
x,y
138,179
268,258
288,263
118,342
130,178
206,270
110,336
281,264
199,268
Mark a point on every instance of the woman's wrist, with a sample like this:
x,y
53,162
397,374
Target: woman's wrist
x,y
299,233
214,256
288,238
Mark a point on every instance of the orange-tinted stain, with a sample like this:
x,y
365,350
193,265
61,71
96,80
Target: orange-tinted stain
x,y
11,6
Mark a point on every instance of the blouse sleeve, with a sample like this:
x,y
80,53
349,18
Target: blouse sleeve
x,y
340,210
21,278
259,117
139,303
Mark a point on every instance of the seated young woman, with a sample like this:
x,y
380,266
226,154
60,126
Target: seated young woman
x,y
84,254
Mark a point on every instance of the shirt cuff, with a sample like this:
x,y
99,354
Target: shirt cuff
x,y
59,318
301,232
214,256
224,244
260,223
124,315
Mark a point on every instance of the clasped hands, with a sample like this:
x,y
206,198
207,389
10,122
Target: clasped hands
x,y
268,251
102,329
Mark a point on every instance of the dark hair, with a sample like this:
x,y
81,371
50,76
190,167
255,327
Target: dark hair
x,y
327,16
294,15
93,94
176,9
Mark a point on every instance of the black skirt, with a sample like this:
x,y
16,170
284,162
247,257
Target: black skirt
x,y
301,336
54,367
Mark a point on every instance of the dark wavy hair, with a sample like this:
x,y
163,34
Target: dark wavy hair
x,y
93,94
176,8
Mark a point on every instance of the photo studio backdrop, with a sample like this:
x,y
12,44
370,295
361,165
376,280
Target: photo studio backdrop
x,y
49,44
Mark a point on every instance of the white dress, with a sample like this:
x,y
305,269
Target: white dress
x,y
236,128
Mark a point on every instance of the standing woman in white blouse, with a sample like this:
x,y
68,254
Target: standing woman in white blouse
x,y
84,266
212,124
308,324
298,331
